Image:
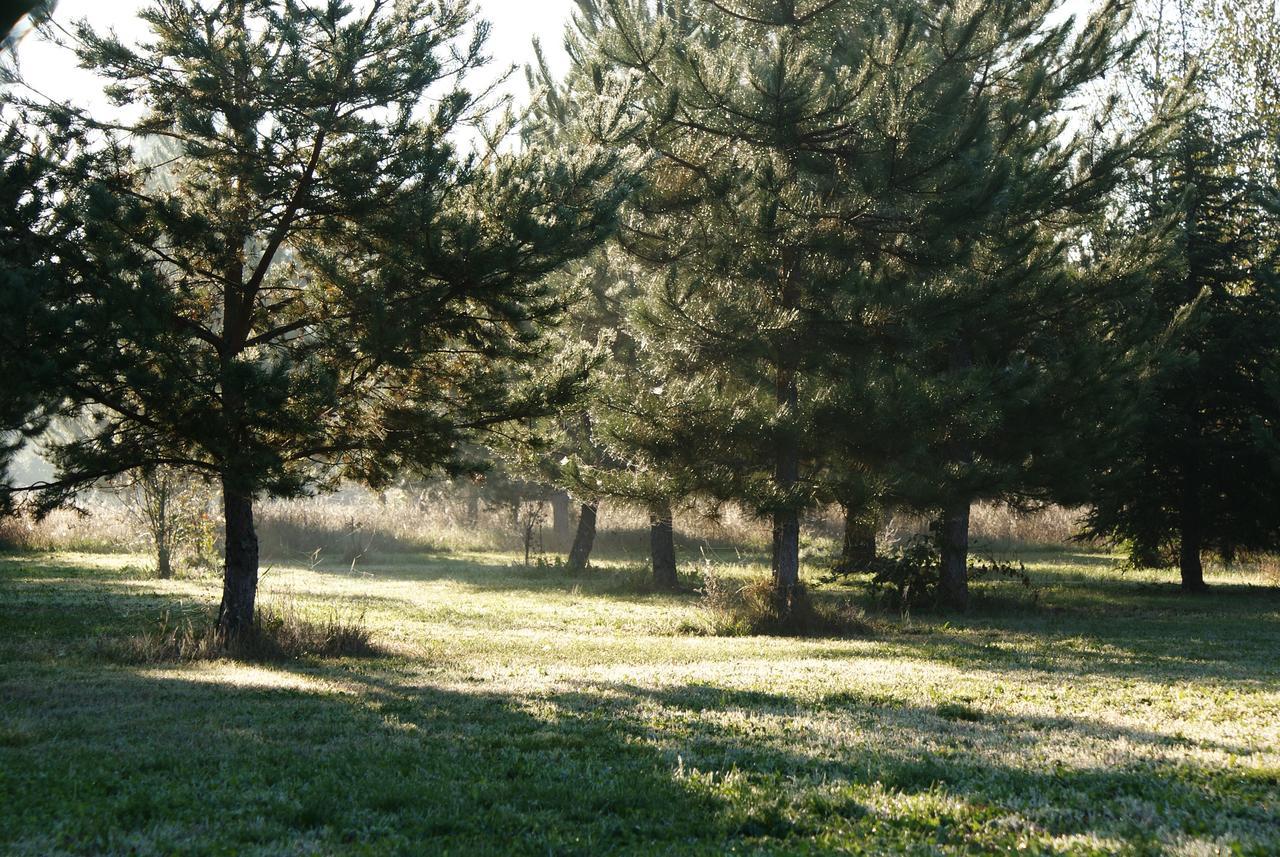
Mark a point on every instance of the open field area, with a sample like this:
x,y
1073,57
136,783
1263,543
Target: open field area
x,y
528,711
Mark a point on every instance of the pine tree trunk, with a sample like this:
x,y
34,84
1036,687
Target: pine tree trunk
x,y
1190,536
560,518
584,538
662,547
786,519
953,584
860,529
240,582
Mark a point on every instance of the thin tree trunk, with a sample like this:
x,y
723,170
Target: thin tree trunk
x,y
240,581
954,546
786,519
584,538
158,505
860,529
662,546
560,518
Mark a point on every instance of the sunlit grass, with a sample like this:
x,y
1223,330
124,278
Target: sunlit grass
x,y
530,711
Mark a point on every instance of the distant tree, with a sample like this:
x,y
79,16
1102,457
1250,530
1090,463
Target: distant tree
x,y
1239,52
1198,470
593,457
323,287
1200,467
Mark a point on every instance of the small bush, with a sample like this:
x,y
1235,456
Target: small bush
x,y
280,633
908,578
738,611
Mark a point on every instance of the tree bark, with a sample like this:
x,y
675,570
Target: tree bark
x,y
584,538
953,584
1190,535
560,518
662,547
164,563
786,518
240,580
860,529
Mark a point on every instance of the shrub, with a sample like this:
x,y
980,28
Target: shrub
x,y
171,513
908,577
747,610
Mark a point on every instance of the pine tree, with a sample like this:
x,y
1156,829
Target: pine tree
x,y
1198,471
592,457
40,228
816,166
1200,468
317,285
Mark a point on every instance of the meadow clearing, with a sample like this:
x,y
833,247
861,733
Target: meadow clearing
x,y
522,710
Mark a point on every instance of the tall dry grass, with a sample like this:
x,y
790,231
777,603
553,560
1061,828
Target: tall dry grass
x,y
354,525
998,524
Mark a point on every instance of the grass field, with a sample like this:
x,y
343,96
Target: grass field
x,y
529,712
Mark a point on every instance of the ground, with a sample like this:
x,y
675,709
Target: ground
x,y
529,712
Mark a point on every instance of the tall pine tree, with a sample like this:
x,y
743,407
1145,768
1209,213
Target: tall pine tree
x,y
316,285
1199,470
815,164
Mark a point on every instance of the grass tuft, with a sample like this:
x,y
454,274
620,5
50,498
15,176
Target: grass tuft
x,y
281,633
733,609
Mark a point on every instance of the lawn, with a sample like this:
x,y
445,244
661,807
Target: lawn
x,y
525,711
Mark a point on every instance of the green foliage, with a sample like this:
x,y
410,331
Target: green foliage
x,y
908,577
1199,466
41,226
316,284
305,280
852,240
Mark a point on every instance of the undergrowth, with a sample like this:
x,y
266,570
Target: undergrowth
x,y
281,632
734,609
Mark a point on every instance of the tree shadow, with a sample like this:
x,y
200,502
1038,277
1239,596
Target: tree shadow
x,y
344,755
605,581
204,766
353,757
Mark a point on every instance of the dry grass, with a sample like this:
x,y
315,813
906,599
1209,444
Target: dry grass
x,y
734,608
104,527
354,525
282,632
998,524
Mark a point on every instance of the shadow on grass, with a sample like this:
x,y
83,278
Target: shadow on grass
x,y
349,757
605,581
150,762
1228,636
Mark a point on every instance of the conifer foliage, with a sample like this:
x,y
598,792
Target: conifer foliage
x,y
41,229
821,172
1199,469
312,283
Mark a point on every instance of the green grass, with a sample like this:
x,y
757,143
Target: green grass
x,y
530,712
